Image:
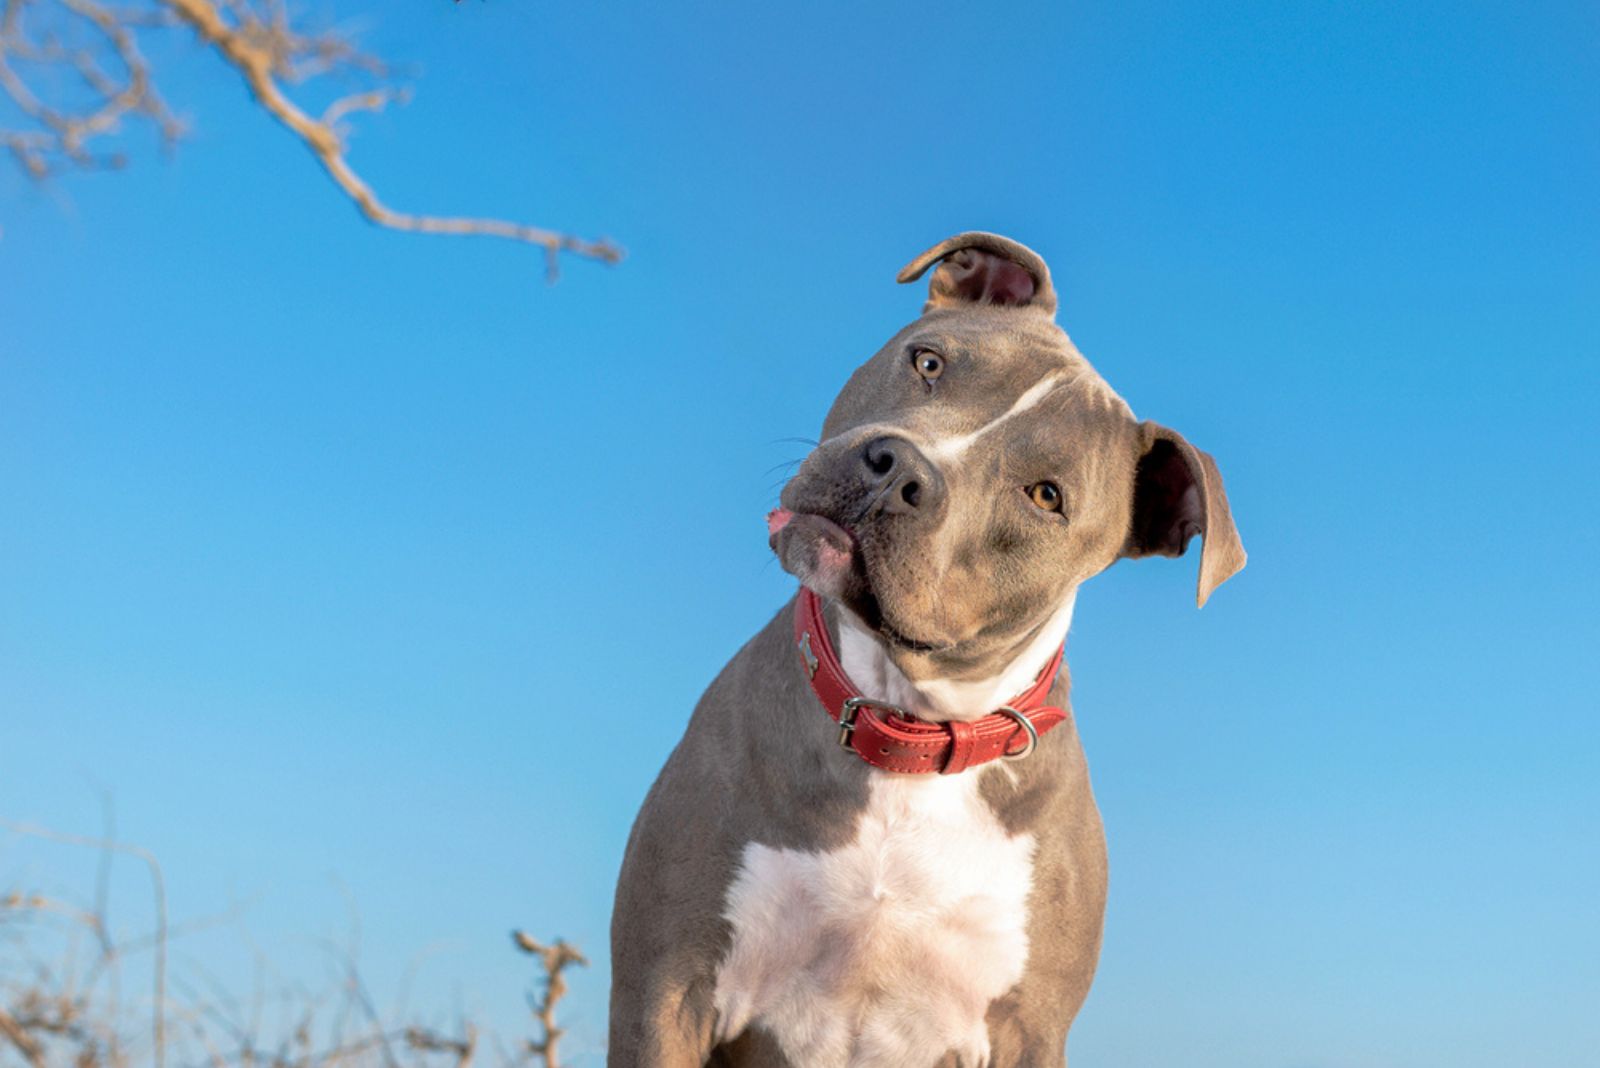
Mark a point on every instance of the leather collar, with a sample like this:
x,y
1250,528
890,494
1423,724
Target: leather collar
x,y
890,738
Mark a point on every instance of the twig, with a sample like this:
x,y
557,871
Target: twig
x,y
159,887
554,959
426,1041
18,1037
256,38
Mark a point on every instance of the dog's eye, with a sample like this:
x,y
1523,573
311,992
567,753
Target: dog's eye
x,y
1046,495
929,364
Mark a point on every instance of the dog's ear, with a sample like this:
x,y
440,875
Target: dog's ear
x,y
1177,493
980,268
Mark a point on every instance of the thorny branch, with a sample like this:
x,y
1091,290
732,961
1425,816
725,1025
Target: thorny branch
x,y
96,44
52,1012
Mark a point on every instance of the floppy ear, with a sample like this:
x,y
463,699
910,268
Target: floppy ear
x,y
1177,493
980,268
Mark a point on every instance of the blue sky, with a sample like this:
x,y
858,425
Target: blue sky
x,y
322,547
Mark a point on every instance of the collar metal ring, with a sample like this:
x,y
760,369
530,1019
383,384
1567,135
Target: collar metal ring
x,y
1026,724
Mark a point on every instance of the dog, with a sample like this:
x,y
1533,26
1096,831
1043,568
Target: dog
x,y
876,843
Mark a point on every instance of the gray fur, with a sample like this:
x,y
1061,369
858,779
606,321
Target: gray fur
x,y
956,584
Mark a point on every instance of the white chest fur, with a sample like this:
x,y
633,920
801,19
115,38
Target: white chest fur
x,y
888,950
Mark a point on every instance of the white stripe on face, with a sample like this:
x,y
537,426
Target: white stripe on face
x,y
952,448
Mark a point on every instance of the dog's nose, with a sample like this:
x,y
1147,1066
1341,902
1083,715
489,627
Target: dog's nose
x,y
901,478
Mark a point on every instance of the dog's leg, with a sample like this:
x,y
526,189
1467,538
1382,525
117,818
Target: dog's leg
x,y
666,937
660,1023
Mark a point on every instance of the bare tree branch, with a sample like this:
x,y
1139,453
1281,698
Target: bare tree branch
x,y
258,40
26,1044
554,959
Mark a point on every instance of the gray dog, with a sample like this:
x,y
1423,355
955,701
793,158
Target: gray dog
x,y
876,843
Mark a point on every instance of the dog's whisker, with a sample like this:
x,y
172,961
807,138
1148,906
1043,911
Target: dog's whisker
x,y
876,497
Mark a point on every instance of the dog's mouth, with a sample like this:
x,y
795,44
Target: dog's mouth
x,y
888,631
827,557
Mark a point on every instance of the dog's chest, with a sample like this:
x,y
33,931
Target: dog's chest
x,y
888,950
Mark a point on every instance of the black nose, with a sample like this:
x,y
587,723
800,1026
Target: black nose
x,y
902,480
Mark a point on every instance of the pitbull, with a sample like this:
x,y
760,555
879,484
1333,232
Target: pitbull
x,y
876,844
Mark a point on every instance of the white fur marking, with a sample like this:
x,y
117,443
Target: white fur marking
x,y
885,952
952,448
862,655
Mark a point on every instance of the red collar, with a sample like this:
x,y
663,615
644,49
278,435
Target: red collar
x,y
889,738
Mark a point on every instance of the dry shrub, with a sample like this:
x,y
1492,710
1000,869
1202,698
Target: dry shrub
x,y
73,992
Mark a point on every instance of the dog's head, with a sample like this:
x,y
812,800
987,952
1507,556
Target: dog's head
x,y
977,469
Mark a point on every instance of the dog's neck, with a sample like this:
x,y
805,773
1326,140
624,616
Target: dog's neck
x,y
867,662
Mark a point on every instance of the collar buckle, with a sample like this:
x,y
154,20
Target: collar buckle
x,y
852,706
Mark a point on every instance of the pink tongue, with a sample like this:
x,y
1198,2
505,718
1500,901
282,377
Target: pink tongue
x,y
777,519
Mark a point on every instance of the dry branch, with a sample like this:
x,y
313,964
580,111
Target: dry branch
x,y
553,959
96,921
51,1014
259,41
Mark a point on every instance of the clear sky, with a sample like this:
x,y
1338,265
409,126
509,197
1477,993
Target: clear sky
x,y
322,548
